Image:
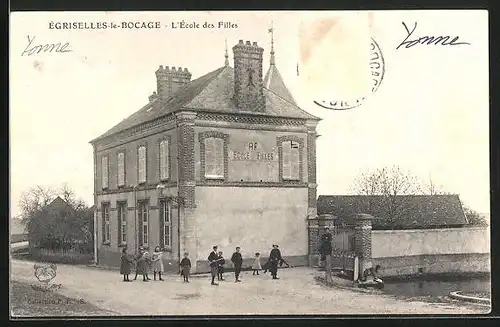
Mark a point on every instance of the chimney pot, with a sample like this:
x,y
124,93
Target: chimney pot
x,y
248,43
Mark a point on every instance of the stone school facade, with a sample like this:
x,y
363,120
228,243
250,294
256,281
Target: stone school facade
x,y
226,159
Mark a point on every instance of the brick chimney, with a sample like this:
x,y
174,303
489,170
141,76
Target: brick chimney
x,y
248,92
168,80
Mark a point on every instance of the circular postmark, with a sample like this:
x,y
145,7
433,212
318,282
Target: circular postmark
x,y
377,68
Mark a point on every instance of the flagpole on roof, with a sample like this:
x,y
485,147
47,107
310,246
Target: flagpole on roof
x,y
226,62
271,30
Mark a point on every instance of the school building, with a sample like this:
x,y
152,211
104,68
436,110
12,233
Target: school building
x,y
226,159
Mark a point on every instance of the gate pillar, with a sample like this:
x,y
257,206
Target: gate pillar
x,y
363,242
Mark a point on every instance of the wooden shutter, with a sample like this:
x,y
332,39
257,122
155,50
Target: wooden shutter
x,y
286,162
140,240
210,157
142,164
162,224
164,150
104,168
219,157
103,222
121,169
119,209
294,161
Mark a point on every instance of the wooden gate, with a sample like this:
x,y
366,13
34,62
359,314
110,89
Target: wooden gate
x,y
343,245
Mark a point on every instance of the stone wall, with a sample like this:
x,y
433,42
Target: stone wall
x,y
432,251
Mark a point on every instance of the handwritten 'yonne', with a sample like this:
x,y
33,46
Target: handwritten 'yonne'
x,y
428,40
32,49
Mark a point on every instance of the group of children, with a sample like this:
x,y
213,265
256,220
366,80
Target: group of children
x,y
145,263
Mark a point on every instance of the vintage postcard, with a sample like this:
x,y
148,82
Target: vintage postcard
x,y
249,163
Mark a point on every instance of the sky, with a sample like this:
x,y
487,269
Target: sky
x,y
429,115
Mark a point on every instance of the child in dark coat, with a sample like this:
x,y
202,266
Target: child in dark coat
x,y
125,265
220,268
185,267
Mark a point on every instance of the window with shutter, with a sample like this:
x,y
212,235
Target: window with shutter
x,y
106,237
122,223
164,151
142,164
291,160
165,225
104,171
144,223
214,158
121,169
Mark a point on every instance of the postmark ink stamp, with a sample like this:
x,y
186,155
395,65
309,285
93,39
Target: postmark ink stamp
x,y
377,69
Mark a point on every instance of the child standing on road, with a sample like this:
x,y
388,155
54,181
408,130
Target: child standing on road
x,y
220,267
185,267
256,264
125,265
157,263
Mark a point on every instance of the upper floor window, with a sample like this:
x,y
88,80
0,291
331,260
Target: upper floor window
x,y
121,169
291,160
141,152
164,158
214,158
104,172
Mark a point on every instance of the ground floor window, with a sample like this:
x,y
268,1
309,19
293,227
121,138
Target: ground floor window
x,y
165,224
143,213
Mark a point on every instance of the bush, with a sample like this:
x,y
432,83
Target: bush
x,y
61,256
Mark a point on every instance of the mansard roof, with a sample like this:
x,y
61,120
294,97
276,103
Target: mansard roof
x,y
213,92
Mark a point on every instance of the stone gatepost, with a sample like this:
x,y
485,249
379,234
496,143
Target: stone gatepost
x,y
363,242
313,240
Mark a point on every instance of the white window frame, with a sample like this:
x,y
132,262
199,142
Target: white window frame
x,y
164,150
122,220
106,221
105,172
214,169
166,214
121,168
144,216
288,161
142,164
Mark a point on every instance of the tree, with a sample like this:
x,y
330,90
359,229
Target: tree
x,y
383,189
474,217
56,228
33,200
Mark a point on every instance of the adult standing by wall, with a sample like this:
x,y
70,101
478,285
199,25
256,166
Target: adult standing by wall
x,y
325,250
274,259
